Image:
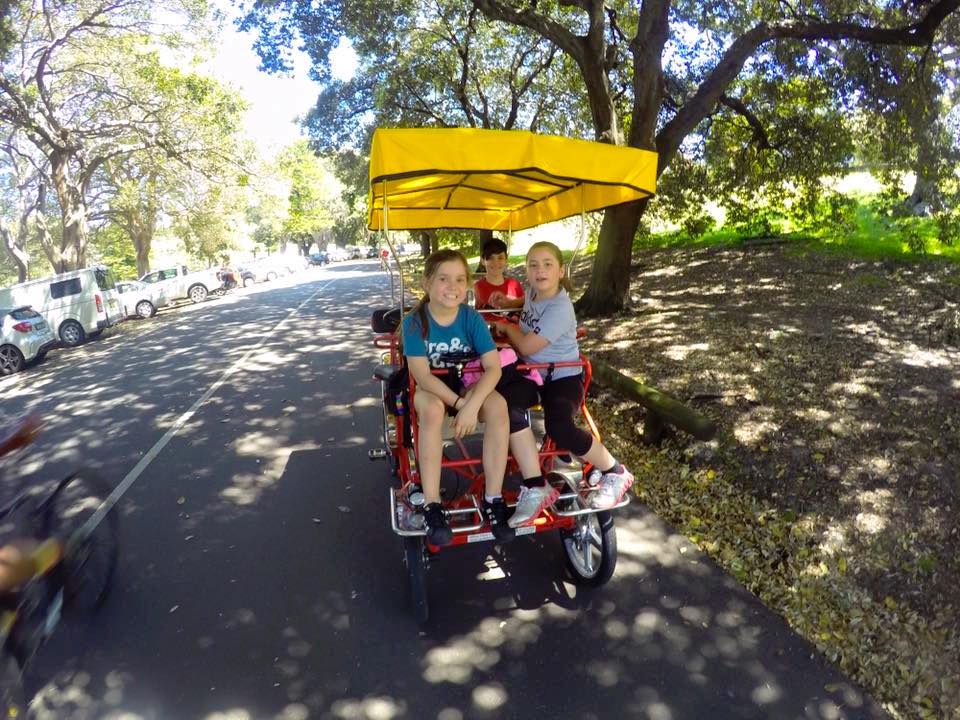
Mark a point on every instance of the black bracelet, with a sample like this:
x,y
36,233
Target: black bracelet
x,y
456,402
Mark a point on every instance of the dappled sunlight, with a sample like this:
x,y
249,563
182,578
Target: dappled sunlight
x,y
680,352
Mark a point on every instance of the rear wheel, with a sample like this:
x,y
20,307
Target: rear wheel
x,y
145,309
590,549
11,360
197,293
91,554
247,281
271,276
414,556
71,333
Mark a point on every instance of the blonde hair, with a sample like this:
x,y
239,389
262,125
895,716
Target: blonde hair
x,y
555,251
430,268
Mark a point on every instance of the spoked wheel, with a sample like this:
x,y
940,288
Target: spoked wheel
x,y
590,549
145,309
11,360
414,551
91,553
198,293
12,699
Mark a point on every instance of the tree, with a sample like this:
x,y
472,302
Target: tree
x,y
77,83
314,193
24,194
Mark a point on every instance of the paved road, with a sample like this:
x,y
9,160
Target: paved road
x,y
259,578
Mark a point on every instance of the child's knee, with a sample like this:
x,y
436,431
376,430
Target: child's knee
x,y
495,408
430,410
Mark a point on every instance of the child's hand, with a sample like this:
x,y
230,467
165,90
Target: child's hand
x,y
466,420
496,299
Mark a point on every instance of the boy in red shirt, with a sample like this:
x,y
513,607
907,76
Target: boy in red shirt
x,y
496,291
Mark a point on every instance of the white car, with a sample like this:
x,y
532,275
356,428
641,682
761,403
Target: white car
x,y
24,336
140,299
179,283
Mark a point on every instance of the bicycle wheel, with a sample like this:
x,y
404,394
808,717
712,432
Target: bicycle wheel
x,y
91,555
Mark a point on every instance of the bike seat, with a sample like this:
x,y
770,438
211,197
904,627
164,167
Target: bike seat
x,y
18,433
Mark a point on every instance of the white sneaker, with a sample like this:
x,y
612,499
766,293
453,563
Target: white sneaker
x,y
613,486
530,503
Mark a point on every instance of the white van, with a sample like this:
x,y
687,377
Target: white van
x,y
75,304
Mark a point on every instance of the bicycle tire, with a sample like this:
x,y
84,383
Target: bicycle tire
x,y
89,562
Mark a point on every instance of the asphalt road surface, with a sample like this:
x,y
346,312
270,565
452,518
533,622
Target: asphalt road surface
x,y
259,577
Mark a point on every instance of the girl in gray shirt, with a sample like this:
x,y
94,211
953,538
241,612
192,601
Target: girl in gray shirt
x,y
547,333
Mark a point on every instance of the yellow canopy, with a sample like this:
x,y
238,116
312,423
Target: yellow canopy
x,y
497,179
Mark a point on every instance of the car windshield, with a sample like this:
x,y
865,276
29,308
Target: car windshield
x,y
22,313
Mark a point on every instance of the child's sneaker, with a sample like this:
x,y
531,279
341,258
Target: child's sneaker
x,y
531,502
497,514
612,487
438,530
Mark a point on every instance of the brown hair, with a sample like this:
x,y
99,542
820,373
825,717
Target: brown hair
x,y
555,251
430,268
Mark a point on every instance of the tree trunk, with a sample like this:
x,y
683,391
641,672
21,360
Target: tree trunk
x,y
15,249
610,279
141,244
73,211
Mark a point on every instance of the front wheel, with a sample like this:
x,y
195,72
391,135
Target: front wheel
x,y
91,553
198,293
590,549
414,550
11,360
271,276
145,309
247,281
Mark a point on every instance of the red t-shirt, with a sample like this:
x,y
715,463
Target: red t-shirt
x,y
483,290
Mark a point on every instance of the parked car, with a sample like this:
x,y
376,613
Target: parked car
x,y
372,252
320,259
140,299
181,284
338,254
75,304
24,336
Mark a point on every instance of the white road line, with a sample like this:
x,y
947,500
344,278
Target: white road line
x,y
152,453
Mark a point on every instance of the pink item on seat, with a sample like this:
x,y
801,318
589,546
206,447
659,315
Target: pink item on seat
x,y
473,370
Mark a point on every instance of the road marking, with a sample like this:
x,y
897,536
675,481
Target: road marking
x,y
152,453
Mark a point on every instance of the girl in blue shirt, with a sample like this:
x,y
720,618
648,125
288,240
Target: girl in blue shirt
x,y
441,323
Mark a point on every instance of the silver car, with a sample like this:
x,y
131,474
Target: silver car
x,y
24,336
141,299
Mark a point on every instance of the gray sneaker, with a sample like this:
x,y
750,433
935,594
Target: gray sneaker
x,y
530,503
613,486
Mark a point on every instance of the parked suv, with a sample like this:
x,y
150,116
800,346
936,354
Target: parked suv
x,y
180,284
24,336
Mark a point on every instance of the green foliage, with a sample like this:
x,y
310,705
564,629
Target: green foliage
x,y
111,246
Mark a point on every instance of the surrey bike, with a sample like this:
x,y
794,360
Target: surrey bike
x,y
59,560
493,180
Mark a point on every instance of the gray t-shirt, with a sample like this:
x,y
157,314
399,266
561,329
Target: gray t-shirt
x,y
555,320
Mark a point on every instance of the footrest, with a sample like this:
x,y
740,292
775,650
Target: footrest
x,y
574,494
407,522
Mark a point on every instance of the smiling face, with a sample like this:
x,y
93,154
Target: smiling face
x,y
447,287
544,272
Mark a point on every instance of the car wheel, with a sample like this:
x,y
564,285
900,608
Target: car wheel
x,y
198,293
145,309
71,333
248,281
271,276
11,360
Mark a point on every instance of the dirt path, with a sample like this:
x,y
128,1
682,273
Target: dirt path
x,y
836,387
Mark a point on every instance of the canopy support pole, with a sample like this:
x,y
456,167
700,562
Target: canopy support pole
x,y
583,232
396,257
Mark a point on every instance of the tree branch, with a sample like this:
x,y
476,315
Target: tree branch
x,y
551,30
759,132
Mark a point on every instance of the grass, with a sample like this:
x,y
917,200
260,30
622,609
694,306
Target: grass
x,y
872,237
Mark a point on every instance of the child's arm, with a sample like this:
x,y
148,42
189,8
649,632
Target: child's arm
x,y
526,343
466,419
502,302
426,380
